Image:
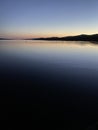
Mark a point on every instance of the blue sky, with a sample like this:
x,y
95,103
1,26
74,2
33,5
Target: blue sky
x,y
42,18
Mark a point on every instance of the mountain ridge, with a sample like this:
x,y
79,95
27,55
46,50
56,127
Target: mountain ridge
x,y
82,37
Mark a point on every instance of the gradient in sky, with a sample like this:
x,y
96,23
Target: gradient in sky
x,y
42,18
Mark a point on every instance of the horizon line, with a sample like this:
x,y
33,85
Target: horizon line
x,y
33,38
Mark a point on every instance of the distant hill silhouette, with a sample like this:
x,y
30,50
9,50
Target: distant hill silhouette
x,y
82,37
5,39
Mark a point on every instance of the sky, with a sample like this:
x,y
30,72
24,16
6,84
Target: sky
x,y
45,18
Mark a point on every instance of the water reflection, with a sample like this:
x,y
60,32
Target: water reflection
x,y
52,80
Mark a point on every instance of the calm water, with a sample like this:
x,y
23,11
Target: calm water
x,y
49,80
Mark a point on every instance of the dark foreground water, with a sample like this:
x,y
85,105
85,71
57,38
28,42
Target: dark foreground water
x,y
49,81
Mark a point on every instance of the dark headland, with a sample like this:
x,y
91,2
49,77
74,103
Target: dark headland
x,y
82,37
1,38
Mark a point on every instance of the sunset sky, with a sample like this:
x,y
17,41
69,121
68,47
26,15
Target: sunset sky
x,y
45,18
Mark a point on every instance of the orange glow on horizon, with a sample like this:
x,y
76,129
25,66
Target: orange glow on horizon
x,y
24,36
32,35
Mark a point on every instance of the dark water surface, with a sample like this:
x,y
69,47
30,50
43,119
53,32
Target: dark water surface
x,y
42,80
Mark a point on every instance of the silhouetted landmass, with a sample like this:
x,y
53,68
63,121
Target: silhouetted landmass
x,y
82,37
